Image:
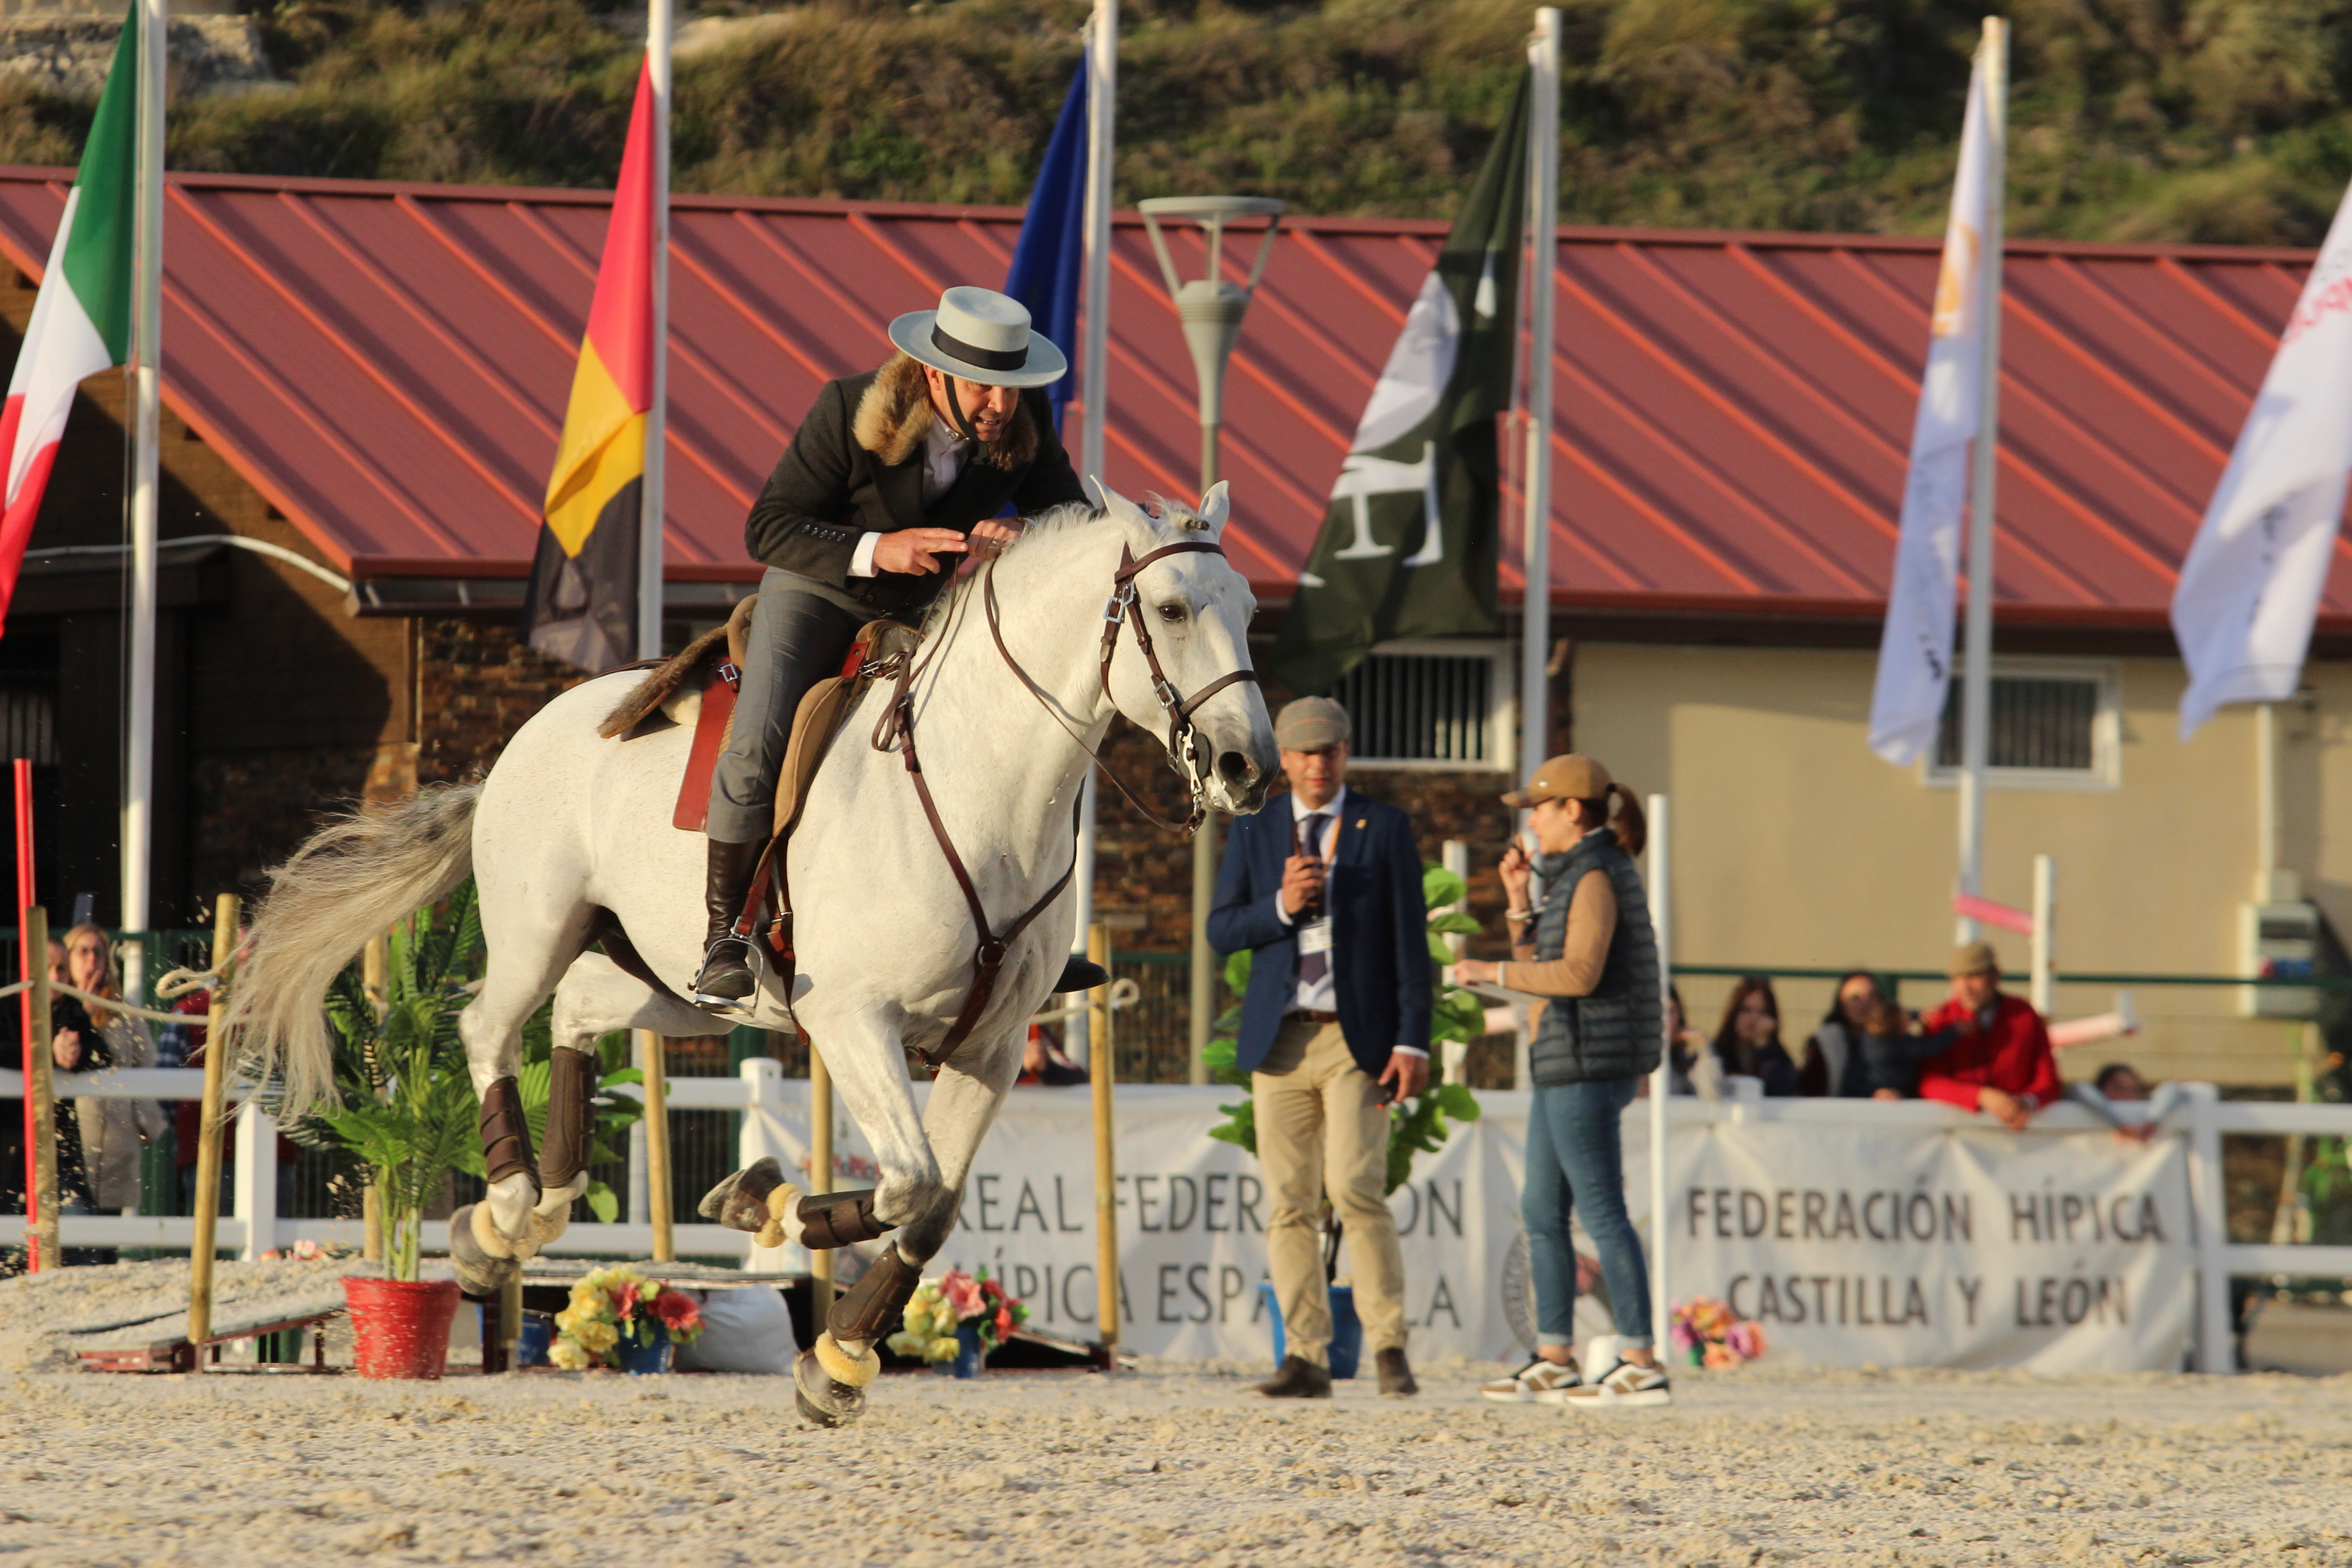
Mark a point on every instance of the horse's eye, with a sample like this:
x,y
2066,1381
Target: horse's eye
x,y
1171,612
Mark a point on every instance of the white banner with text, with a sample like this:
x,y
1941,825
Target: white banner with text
x,y
1903,1244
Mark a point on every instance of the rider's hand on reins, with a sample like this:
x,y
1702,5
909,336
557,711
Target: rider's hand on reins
x,y
987,540
917,549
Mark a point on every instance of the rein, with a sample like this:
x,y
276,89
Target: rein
x,y
898,724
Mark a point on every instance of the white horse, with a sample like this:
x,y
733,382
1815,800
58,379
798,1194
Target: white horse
x,y
571,843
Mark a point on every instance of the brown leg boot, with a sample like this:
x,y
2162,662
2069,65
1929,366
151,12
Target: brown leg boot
x,y
1396,1376
1298,1378
727,957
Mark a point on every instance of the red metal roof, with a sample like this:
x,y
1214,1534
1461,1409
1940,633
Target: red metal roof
x,y
388,365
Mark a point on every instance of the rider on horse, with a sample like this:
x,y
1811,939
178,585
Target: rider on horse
x,y
892,472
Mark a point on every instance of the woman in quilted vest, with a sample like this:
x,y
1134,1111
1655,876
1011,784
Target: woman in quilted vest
x,y
1591,948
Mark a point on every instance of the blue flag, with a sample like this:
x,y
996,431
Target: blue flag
x,y
1044,275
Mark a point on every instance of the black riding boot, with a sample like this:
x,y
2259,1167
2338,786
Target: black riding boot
x,y
727,957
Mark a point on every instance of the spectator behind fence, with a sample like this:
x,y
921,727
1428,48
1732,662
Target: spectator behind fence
x,y
2119,1083
1689,1050
1324,888
1748,1042
1892,1051
1591,950
88,1038
1998,1061
1834,1062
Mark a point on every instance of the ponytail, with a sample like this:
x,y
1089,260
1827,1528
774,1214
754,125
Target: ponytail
x,y
1631,829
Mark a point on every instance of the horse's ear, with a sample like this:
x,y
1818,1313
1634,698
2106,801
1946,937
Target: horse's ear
x,y
1214,508
1143,530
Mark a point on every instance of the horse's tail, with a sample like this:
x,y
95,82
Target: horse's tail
x,y
342,889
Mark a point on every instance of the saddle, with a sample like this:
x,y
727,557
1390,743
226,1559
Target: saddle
x,y
712,665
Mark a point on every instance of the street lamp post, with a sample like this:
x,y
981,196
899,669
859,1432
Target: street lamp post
x,y
1211,307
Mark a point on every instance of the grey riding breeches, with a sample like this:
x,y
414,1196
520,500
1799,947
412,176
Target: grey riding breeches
x,y
799,635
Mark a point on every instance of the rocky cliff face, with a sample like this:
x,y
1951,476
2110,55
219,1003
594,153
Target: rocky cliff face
x,y
67,53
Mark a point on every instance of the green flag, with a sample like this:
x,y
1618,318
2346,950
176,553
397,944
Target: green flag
x,y
1408,547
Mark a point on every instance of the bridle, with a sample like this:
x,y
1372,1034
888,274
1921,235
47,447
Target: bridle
x,y
1187,751
1185,743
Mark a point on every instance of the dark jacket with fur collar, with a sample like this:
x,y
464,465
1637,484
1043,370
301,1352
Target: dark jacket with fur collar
x,y
855,466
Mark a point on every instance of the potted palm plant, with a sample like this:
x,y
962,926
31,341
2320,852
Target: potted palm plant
x,y
1420,1126
407,1120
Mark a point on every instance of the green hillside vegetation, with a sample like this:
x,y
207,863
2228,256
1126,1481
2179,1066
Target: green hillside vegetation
x,y
2225,120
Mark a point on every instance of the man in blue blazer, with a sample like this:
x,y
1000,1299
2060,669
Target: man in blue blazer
x,y
1324,887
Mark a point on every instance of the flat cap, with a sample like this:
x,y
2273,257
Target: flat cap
x,y
1310,724
1571,777
1974,958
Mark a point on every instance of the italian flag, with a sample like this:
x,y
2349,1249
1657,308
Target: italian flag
x,y
81,319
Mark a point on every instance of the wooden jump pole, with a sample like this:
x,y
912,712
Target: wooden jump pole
x,y
210,1126
375,978
1100,1063
820,1162
657,1199
40,1095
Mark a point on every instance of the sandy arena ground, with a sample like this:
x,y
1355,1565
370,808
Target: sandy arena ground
x,y
1173,1465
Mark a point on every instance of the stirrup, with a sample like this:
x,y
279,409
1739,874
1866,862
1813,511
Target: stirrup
x,y
702,998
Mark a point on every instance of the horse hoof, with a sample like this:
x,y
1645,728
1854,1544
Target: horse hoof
x,y
479,1271
823,1400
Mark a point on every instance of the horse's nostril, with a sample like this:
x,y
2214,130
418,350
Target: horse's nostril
x,y
1236,769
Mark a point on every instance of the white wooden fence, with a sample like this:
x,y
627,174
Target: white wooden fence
x,y
254,1226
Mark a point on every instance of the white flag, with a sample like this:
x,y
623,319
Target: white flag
x,y
1915,652
2251,587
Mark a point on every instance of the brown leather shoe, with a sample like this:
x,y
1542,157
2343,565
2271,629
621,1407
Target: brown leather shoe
x,y
1297,1378
1396,1377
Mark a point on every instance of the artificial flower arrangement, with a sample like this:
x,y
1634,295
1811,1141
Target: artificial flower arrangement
x,y
939,1308
1712,1335
610,1305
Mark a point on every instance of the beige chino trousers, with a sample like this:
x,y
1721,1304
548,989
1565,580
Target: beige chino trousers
x,y
1321,1128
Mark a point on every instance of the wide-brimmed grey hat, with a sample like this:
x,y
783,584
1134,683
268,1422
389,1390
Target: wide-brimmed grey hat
x,y
981,335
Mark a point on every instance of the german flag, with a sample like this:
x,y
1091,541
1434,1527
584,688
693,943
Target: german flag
x,y
582,606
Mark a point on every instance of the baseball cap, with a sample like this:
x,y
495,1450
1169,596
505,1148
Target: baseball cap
x,y
1571,777
1311,724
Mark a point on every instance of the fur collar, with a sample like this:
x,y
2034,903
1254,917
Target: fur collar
x,y
895,414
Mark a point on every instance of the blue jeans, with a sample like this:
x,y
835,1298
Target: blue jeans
x,y
1574,1159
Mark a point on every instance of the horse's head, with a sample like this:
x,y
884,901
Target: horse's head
x,y
1196,609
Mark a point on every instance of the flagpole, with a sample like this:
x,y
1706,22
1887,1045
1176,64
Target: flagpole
x,y
1543,188
147,341
1976,667
1094,336
649,526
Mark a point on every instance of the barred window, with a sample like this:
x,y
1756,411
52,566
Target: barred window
x,y
26,727
2053,725
1431,705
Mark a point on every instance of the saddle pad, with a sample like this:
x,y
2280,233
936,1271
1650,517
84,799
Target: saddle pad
x,y
823,709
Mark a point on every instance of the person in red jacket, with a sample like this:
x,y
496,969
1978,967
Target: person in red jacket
x,y
1998,1061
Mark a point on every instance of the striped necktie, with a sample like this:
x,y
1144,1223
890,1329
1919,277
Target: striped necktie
x,y
1313,966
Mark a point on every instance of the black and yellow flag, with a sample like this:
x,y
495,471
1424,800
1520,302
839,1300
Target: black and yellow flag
x,y
1408,547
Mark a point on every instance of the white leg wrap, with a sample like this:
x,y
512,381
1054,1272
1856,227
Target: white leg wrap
x,y
839,1366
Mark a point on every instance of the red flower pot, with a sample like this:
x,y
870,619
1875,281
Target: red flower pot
x,y
401,1325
